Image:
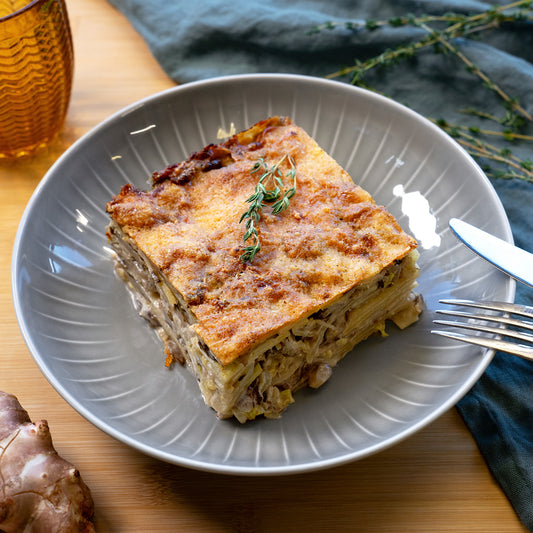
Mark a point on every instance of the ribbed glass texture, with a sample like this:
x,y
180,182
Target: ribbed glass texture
x,y
36,66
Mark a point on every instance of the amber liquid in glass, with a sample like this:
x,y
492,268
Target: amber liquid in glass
x,y
36,65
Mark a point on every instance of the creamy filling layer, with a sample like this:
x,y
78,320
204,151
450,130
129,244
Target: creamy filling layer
x,y
262,382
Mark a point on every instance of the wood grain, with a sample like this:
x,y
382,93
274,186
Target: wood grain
x,y
434,481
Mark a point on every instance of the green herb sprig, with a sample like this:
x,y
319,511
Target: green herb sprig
x,y
279,197
440,36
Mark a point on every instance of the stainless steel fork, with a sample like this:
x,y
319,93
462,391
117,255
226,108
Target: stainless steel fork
x,y
504,325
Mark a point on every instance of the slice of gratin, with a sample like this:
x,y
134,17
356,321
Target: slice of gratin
x,y
332,268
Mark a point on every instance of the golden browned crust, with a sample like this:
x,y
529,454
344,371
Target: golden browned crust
x,y
332,237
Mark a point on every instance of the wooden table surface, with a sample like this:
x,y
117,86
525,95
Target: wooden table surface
x,y
434,481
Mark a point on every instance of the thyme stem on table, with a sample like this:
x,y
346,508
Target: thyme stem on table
x,y
279,197
441,32
473,69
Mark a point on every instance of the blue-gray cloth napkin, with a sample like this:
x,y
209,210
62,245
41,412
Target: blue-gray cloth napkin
x,y
201,39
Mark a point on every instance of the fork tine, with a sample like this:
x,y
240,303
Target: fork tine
x,y
487,329
505,307
495,344
490,318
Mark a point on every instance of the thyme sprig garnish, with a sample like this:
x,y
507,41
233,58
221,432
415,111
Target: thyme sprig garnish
x,y
439,33
279,197
468,138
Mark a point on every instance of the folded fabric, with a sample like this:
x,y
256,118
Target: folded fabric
x,y
209,38
499,408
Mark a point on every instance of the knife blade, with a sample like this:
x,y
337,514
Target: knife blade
x,y
512,260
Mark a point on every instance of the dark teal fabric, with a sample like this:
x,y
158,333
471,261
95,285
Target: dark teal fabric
x,y
200,39
499,408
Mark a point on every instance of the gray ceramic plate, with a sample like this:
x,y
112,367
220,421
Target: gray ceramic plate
x,y
80,326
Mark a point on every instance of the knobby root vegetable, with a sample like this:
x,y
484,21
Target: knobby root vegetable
x,y
39,491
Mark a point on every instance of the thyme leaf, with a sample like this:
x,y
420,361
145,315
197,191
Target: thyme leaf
x,y
279,196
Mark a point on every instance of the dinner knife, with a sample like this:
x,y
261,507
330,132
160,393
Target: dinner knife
x,y
510,259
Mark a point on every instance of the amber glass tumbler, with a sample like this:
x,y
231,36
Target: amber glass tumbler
x,y
36,65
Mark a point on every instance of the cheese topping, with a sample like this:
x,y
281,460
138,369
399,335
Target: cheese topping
x,y
330,239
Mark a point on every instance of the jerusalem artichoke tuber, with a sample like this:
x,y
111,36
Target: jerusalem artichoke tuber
x,y
39,491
